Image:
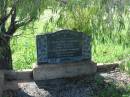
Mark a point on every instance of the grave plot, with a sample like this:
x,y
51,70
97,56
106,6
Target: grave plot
x,y
62,54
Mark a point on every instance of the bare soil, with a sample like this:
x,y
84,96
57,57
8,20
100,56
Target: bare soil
x,y
83,86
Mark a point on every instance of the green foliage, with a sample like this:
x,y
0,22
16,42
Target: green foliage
x,y
109,52
15,14
95,17
24,54
108,88
127,94
106,20
125,65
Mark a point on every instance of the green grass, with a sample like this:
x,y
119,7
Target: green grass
x,y
24,46
111,88
109,52
24,52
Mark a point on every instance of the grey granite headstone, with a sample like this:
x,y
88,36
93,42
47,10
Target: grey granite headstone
x,y
62,47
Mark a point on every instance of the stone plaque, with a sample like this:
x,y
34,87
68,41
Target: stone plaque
x,y
62,47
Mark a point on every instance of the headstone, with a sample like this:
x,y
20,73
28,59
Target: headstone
x,y
63,54
63,47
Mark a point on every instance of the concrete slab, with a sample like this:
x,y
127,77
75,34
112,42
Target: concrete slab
x,y
10,85
53,71
1,82
25,75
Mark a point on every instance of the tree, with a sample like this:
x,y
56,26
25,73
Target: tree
x,y
13,15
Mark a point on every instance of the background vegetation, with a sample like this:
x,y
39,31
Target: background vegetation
x,y
106,20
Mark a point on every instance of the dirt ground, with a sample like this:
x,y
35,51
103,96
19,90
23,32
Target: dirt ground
x,y
83,86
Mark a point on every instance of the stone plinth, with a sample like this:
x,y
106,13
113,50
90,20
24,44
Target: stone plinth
x,y
53,71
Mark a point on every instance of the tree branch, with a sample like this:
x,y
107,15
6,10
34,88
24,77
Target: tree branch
x,y
4,18
23,22
12,27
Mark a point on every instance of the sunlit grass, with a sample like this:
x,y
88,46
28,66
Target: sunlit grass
x,y
109,52
24,46
24,52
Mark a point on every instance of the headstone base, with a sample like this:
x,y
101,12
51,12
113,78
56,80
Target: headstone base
x,y
53,71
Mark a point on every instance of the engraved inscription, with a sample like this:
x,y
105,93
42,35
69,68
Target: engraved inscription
x,y
63,46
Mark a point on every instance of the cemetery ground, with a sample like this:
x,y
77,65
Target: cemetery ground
x,y
104,84
110,44
108,84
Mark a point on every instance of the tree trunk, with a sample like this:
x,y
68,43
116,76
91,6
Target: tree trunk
x,y
5,54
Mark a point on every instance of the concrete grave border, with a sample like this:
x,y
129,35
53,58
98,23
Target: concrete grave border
x,y
1,82
9,79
